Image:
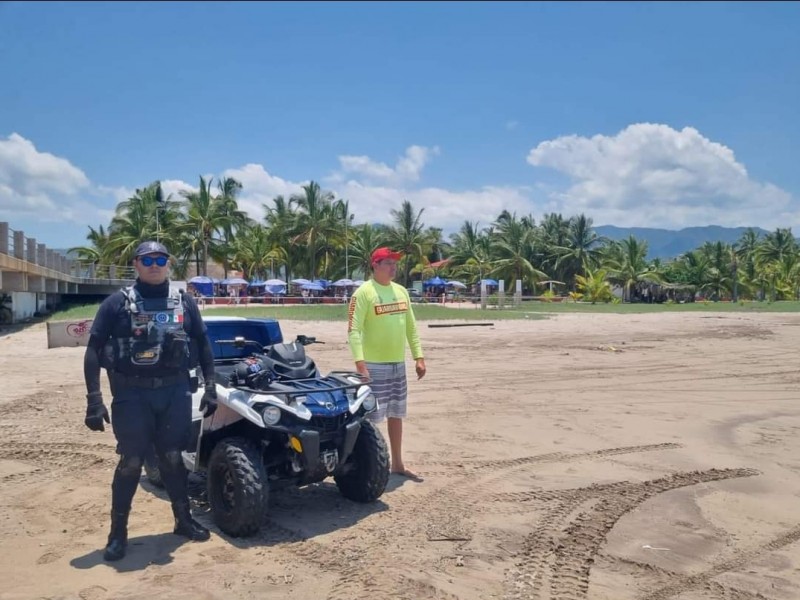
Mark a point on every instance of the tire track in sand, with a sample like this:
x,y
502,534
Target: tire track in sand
x,y
557,556
443,512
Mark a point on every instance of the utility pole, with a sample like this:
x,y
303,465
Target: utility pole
x,y
159,204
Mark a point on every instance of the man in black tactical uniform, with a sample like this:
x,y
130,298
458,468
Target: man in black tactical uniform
x,y
141,336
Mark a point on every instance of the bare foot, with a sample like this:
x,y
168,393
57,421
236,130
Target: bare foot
x,y
407,473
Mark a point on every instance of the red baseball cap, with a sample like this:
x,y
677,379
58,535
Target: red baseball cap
x,y
384,253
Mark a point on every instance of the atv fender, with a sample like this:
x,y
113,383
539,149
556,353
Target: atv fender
x,y
350,437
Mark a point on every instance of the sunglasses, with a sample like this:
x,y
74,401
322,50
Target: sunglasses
x,y
148,261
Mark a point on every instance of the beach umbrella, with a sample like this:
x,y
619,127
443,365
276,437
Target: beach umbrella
x,y
435,281
234,281
489,282
274,282
201,279
342,283
313,287
358,282
300,281
457,284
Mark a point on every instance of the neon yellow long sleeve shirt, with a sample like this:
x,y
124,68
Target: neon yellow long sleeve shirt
x,y
380,322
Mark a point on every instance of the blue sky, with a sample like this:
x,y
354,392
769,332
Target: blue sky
x,y
636,114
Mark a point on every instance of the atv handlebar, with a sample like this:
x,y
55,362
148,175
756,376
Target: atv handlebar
x,y
241,342
305,340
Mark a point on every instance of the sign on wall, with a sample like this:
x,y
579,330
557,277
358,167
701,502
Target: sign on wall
x,y
62,334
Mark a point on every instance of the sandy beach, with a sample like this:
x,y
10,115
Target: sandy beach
x,y
581,456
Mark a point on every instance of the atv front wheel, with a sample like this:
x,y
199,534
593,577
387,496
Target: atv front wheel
x,y
237,487
368,472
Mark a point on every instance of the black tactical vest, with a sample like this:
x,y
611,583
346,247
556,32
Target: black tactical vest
x,y
157,340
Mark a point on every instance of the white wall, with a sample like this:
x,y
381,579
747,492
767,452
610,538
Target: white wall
x,y
23,305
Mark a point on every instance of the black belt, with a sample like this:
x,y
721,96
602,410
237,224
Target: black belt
x,y
148,382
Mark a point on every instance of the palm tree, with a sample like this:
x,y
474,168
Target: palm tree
x,y
364,240
314,220
280,219
96,252
237,219
512,251
581,251
252,251
594,286
627,265
138,219
205,217
470,252
407,236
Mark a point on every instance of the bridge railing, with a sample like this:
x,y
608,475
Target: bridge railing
x,y
90,270
14,243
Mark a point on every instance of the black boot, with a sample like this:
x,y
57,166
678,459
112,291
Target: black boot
x,y
186,526
118,538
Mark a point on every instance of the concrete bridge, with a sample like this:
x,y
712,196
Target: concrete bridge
x,y
35,279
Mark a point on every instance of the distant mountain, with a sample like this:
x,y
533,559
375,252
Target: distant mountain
x,y
668,244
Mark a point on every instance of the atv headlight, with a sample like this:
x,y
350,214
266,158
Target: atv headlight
x,y
363,396
370,402
271,415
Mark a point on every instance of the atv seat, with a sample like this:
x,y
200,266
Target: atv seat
x,y
222,374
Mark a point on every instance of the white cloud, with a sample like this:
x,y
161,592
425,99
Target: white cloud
x,y
41,187
30,181
646,175
443,208
408,168
373,203
172,188
260,187
656,176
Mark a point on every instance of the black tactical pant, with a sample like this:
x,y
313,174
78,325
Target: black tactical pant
x,y
146,418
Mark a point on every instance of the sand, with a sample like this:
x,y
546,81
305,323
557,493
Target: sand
x,y
605,457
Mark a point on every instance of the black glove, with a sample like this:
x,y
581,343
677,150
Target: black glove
x,y
96,412
208,403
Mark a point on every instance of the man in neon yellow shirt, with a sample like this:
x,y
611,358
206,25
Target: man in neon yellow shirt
x,y
380,323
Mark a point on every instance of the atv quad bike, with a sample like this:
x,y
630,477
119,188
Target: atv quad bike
x,y
278,423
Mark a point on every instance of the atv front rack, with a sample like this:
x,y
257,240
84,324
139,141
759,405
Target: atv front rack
x,y
291,388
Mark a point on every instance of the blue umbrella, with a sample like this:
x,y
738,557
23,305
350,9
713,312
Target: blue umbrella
x,y
300,281
489,282
314,287
234,281
436,281
201,279
342,283
274,282
257,283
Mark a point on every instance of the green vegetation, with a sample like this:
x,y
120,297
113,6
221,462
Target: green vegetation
x,y
313,234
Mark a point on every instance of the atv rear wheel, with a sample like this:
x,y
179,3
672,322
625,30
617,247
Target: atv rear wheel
x,y
368,472
237,487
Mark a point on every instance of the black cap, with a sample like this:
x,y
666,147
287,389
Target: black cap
x,y
151,248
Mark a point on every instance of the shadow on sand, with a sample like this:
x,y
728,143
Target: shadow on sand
x,y
143,551
294,514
